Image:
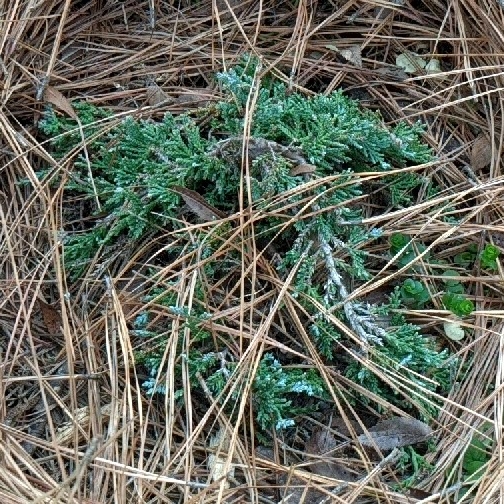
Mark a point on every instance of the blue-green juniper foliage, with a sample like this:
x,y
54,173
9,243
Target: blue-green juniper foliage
x,y
306,155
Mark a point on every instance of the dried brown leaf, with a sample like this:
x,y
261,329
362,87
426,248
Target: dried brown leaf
x,y
155,95
301,169
320,443
51,317
481,154
396,432
80,417
194,97
353,55
199,205
219,444
339,425
297,491
56,98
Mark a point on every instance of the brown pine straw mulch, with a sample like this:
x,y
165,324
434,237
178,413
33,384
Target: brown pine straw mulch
x,y
75,425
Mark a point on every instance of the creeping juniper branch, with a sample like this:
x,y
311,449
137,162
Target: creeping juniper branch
x,y
362,323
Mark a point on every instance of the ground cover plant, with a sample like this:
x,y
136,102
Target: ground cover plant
x,y
250,256
305,155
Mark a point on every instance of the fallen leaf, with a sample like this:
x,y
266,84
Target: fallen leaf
x,y
395,432
322,442
156,96
219,443
301,169
198,204
454,331
201,98
56,98
352,53
342,428
295,490
410,62
51,317
433,66
481,154
80,417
